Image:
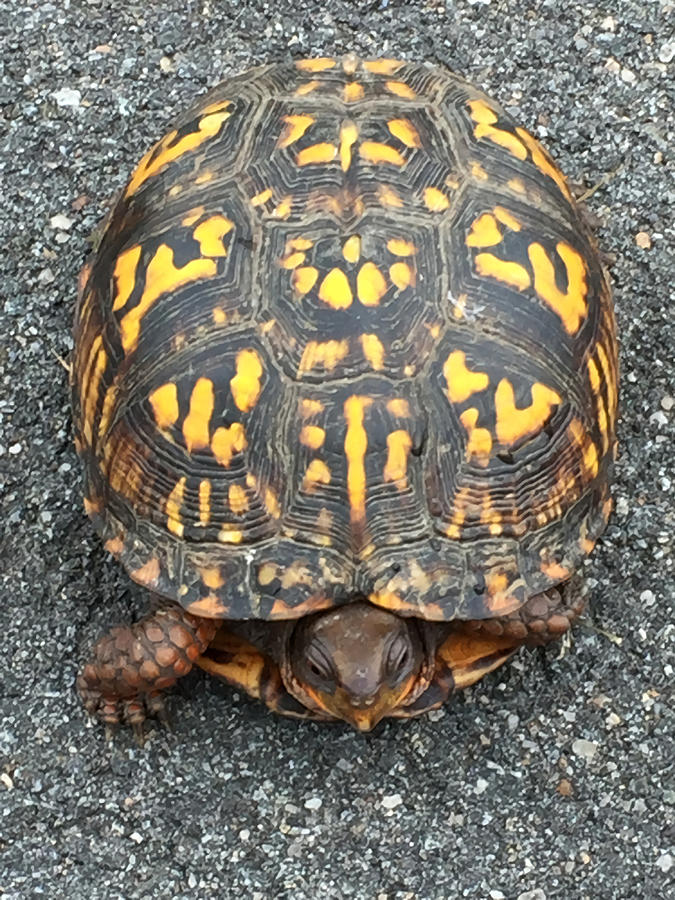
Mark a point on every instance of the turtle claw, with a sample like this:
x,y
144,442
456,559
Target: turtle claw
x,y
139,733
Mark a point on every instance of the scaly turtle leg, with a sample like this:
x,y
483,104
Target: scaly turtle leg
x,y
132,664
545,617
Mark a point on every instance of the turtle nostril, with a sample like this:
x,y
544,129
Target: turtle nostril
x,y
359,702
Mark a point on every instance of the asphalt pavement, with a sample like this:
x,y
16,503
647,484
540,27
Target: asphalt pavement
x,y
552,778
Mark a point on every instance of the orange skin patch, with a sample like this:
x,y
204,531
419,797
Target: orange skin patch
x,y
228,441
570,305
147,574
246,384
373,350
161,277
316,154
461,381
238,501
210,233
356,444
174,503
351,249
402,275
327,354
317,473
371,284
164,402
312,436
348,136
510,273
512,423
399,444
295,127
319,64
405,131
197,421
168,149
205,501
335,290
400,89
480,440
377,154
124,275
435,200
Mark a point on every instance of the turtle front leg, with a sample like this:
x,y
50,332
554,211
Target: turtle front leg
x,y
544,618
132,664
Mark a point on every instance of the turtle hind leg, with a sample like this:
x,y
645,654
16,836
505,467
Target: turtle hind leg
x,y
545,617
132,664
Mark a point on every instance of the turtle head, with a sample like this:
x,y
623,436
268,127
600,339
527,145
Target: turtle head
x,y
357,662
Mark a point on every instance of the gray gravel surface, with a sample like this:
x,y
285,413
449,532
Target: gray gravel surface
x,y
553,778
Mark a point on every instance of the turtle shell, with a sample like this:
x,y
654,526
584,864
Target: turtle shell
x,y
346,335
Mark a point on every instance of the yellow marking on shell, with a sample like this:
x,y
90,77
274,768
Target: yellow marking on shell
x,y
318,64
205,501
479,172
204,178
382,66
506,218
349,134
401,247
227,441
543,161
316,154
210,233
124,275
295,127
335,290
435,200
304,278
377,153
371,284
91,506
388,197
306,88
400,89
399,407
589,452
212,577
405,131
267,573
317,473
283,209
218,315
310,407
510,273
114,545
555,571
484,232
326,353
595,380
312,436
246,384
164,402
237,499
147,574
517,185
262,197
292,260
352,92
351,249
479,444
230,536
356,444
300,243
373,350
593,375
586,544
193,216
513,423
610,382
161,277
490,516
570,305
485,119
251,481
399,444
462,382
174,503
272,503
197,421
169,149
98,360
402,275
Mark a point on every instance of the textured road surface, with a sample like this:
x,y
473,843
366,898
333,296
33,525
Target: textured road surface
x,y
551,779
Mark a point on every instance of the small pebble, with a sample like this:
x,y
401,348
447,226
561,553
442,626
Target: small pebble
x,y
313,803
643,240
585,749
667,52
665,862
667,402
391,801
67,97
61,222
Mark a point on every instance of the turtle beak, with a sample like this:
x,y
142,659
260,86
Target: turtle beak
x,y
364,713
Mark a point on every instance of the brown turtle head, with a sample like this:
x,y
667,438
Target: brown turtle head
x,y
357,662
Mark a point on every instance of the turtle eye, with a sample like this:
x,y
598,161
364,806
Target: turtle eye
x,y
398,656
319,663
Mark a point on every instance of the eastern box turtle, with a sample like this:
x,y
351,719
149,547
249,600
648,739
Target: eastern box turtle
x,y
344,387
